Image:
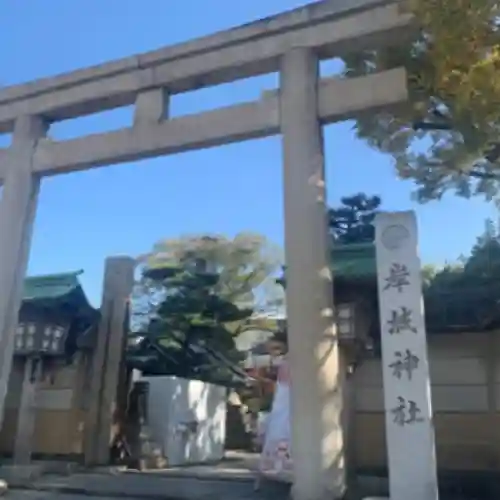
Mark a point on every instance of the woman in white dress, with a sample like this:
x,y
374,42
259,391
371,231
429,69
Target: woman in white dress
x,y
276,457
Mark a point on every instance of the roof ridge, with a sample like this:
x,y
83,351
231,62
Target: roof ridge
x,y
53,287
54,276
353,247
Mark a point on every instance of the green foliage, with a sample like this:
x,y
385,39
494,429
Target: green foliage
x,y
352,222
468,293
242,264
197,294
428,274
447,136
458,296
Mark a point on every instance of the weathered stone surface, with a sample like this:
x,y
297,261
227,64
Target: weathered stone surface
x,y
337,100
255,48
20,475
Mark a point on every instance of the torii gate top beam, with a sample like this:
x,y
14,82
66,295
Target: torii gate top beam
x,y
331,27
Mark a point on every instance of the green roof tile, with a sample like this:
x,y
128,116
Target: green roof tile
x,y
354,261
59,290
50,286
63,293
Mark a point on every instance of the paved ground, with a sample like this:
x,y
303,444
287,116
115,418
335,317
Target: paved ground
x,y
45,495
146,488
236,465
232,479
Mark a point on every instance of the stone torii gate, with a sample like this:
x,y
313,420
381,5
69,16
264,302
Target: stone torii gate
x,y
291,43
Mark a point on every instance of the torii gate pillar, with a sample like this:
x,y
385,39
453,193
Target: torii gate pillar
x,y
316,377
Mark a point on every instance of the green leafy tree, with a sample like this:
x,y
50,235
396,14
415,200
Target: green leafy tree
x,y
193,316
197,294
467,293
447,136
352,221
428,274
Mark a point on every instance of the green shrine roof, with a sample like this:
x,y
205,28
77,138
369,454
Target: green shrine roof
x,y
354,261
58,290
63,294
50,286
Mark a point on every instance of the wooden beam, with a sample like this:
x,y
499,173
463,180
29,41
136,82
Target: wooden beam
x,y
338,99
329,27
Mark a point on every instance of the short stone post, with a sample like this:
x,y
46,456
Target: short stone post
x,y
107,357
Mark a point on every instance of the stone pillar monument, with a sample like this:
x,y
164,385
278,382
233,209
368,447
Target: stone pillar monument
x,y
405,367
316,377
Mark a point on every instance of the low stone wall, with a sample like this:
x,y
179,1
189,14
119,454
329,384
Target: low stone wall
x,y
465,379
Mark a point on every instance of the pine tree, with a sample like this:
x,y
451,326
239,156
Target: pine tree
x,y
352,222
197,294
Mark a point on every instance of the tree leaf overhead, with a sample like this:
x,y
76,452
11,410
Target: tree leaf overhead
x,y
447,136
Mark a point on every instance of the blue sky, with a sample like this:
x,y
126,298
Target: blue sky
x,y
124,209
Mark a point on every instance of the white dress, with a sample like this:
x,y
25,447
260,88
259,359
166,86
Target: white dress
x,y
276,458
